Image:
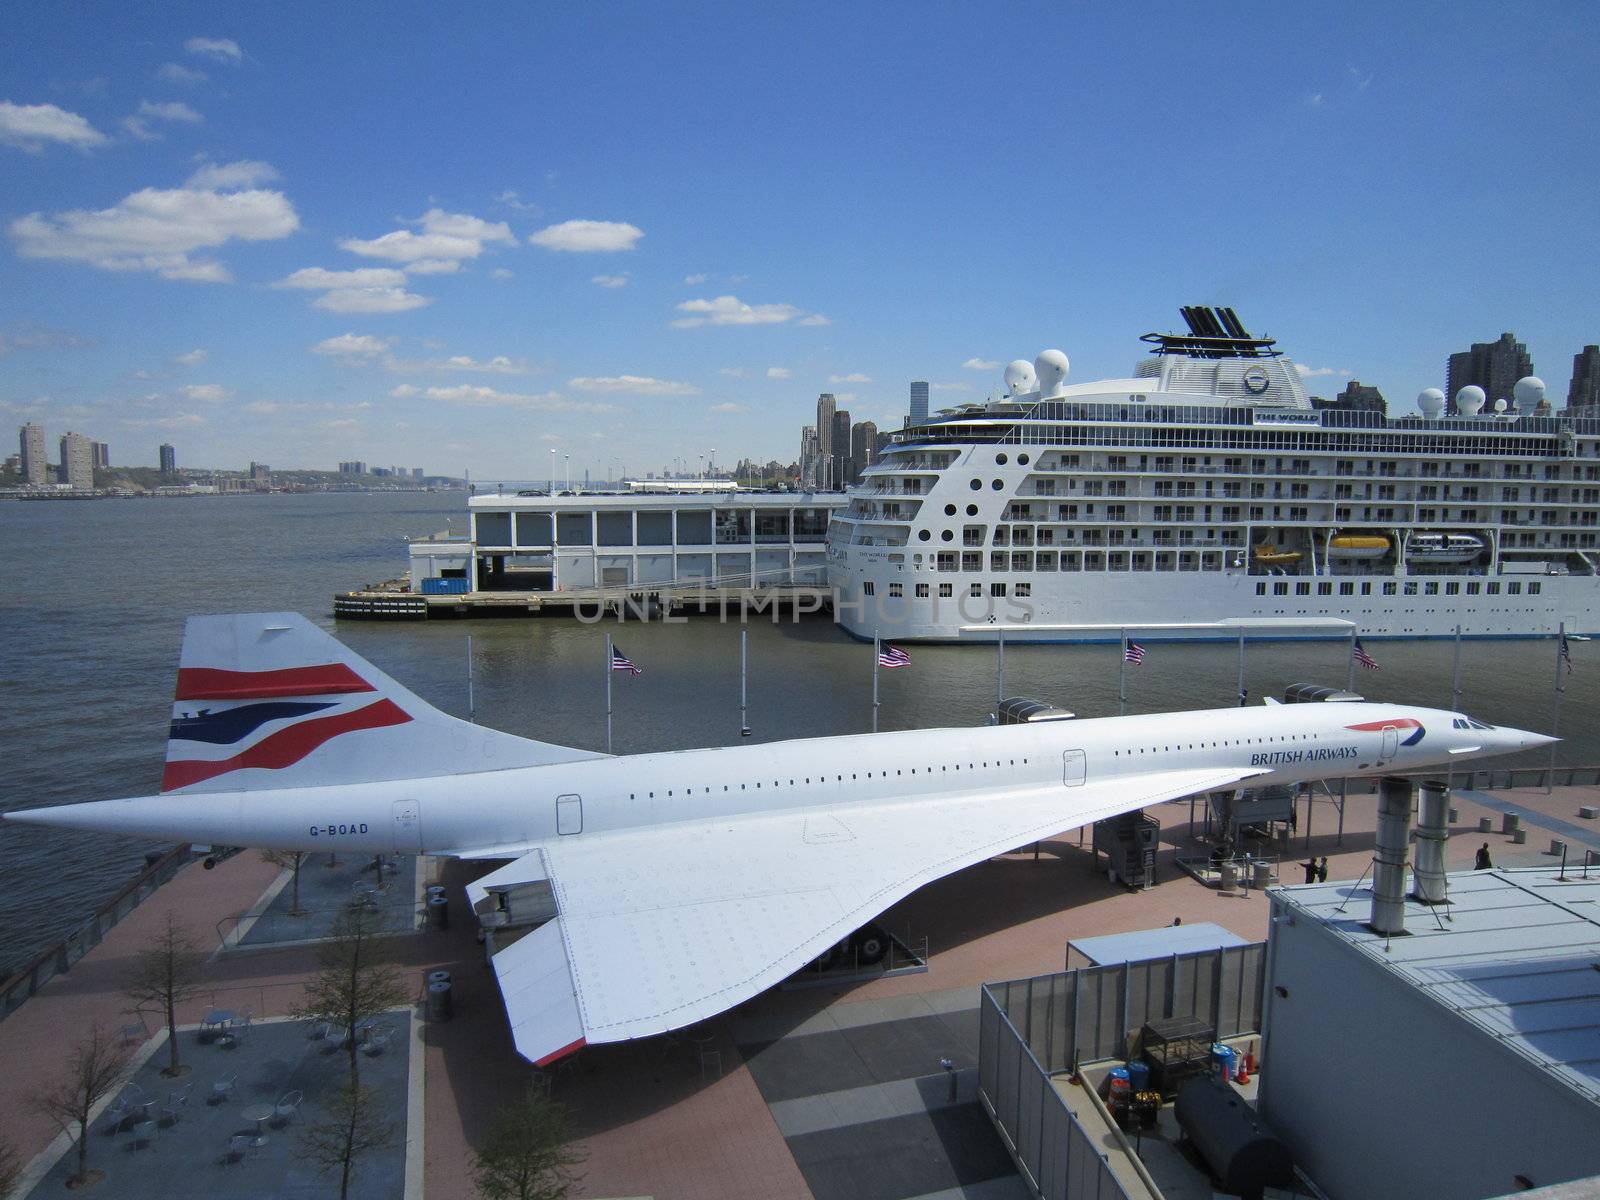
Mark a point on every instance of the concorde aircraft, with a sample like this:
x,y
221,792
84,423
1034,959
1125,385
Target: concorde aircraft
x,y
684,882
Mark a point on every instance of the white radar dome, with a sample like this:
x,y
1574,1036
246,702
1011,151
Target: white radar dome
x,y
1431,402
1470,399
1529,392
1499,406
1051,367
1020,377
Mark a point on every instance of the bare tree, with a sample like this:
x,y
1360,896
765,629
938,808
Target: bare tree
x,y
354,1127
166,973
526,1155
10,1168
290,860
92,1072
355,984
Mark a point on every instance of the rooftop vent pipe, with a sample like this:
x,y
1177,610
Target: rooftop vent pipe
x,y
1433,830
1389,857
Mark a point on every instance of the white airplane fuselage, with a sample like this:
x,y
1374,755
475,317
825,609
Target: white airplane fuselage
x,y
500,813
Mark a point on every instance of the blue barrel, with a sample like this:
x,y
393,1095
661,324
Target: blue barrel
x,y
1118,1090
1139,1076
1223,1057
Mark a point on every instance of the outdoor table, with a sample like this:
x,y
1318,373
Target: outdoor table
x,y
214,1022
260,1114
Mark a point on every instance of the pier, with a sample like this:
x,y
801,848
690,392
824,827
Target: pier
x,y
395,601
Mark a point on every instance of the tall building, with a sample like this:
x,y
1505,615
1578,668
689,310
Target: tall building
x,y
77,461
919,403
1494,366
826,408
33,458
863,448
1358,395
169,459
1585,389
841,450
102,456
810,457
354,467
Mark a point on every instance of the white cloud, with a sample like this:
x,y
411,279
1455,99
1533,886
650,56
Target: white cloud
x,y
636,385
502,273
498,365
139,129
696,280
351,347
512,199
733,372
405,391
609,281
29,126
157,229
779,373
169,110
218,49
445,237
981,364
180,75
370,300
730,310
230,177
192,359
853,377
588,237
210,392
816,319
1306,372
469,396
727,406
318,279
434,266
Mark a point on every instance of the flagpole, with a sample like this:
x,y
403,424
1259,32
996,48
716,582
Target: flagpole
x,y
744,658
1555,719
608,693
1350,667
1455,701
1241,666
1122,679
471,708
877,645
1000,672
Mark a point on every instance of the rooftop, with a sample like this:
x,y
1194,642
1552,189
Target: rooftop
x,y
1517,956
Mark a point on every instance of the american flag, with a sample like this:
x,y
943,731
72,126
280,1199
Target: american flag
x,y
1359,653
893,656
1133,653
1566,653
619,662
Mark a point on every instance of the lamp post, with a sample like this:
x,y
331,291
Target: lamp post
x,y
552,470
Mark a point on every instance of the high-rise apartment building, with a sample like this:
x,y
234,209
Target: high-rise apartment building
x,y
102,455
826,410
34,463
354,467
841,450
863,448
77,461
169,459
1585,389
1494,366
919,403
810,458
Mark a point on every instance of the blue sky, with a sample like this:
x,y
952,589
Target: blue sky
x,y
636,232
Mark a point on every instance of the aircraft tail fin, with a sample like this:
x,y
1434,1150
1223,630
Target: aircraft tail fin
x,y
268,700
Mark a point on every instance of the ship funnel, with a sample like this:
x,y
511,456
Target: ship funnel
x,y
1433,831
1389,856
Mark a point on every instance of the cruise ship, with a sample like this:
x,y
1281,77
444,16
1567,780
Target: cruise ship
x,y
1208,488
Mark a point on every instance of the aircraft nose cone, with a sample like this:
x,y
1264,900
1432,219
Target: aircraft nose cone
x,y
1532,741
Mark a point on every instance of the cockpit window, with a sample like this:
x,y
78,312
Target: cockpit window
x,y
1469,723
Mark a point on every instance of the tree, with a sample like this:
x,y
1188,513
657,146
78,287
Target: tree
x,y
10,1168
354,1126
526,1155
290,860
354,983
93,1070
166,973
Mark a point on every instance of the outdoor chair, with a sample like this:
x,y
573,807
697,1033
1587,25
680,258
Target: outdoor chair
x,y
286,1107
222,1088
177,1100
115,1115
378,1039
144,1134
321,1031
238,1147
135,1031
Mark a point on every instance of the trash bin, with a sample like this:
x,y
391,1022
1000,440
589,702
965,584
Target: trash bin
x,y
439,1001
1485,824
438,977
1230,876
1260,875
1138,1076
438,913
1510,822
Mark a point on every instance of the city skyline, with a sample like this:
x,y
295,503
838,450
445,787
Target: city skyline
x,y
628,275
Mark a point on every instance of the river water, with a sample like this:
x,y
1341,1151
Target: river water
x,y
96,593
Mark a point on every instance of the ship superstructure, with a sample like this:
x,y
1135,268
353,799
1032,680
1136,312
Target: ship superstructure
x,y
1207,487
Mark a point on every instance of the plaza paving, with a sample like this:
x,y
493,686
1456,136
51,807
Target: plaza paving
x,y
327,884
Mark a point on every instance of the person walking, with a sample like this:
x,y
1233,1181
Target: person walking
x,y
1322,869
1483,862
1310,866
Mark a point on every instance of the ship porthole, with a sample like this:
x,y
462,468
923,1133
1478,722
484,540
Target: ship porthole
x,y
923,534
949,510
972,510
976,484
1000,460
997,484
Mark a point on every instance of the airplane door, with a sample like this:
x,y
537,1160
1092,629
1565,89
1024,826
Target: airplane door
x,y
1073,768
569,814
407,827
1391,742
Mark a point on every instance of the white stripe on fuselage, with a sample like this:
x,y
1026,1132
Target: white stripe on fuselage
x,y
513,809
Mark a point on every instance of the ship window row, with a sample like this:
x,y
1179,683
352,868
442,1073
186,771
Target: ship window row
x,y
809,781
1409,587
1301,441
686,527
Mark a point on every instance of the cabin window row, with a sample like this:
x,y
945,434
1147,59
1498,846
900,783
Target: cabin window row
x,y
854,775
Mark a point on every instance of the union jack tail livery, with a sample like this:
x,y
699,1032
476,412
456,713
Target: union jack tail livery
x,y
268,700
